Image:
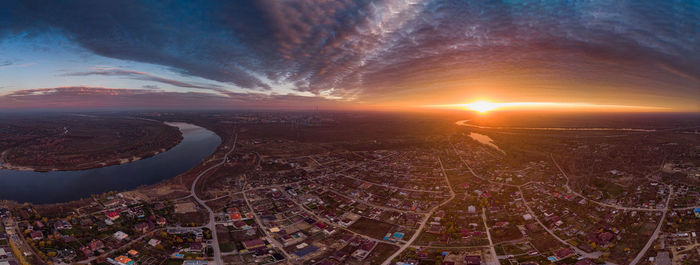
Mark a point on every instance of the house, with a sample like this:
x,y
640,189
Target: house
x,y
241,225
141,227
87,251
161,221
235,216
37,235
96,244
62,225
124,260
345,222
112,215
563,253
196,247
253,243
329,230
119,235
305,251
133,253
154,242
287,239
472,260
601,239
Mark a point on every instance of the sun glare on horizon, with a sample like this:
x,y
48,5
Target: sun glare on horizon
x,y
481,106
485,106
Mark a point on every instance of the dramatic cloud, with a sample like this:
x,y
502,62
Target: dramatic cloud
x,y
99,97
365,50
147,77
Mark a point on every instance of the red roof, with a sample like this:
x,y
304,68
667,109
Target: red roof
x,y
112,214
235,216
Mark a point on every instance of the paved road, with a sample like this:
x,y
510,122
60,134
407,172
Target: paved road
x,y
494,258
265,230
20,239
212,223
656,233
425,219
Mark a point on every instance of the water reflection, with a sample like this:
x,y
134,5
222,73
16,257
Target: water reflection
x,y
484,139
61,186
466,123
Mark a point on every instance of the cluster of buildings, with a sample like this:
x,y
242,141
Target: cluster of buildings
x,y
455,201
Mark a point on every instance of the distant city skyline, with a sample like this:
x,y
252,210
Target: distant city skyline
x,y
359,55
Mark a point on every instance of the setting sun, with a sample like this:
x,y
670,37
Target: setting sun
x,y
484,106
481,106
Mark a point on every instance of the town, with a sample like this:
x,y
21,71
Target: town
x,y
470,196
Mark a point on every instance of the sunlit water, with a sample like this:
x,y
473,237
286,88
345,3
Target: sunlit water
x,y
466,123
484,139
62,186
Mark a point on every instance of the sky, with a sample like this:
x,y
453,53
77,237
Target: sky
x,y
343,54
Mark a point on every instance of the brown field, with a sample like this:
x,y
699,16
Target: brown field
x,y
381,253
372,228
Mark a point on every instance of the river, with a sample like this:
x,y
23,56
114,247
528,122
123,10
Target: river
x,y
466,123
485,139
63,186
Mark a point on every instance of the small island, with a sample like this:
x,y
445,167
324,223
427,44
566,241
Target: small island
x,y
78,142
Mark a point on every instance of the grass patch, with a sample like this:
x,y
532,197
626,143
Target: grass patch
x,y
226,247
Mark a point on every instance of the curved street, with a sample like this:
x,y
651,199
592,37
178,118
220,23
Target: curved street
x,y
212,222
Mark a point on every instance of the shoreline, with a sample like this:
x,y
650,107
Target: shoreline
x,y
4,165
165,183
